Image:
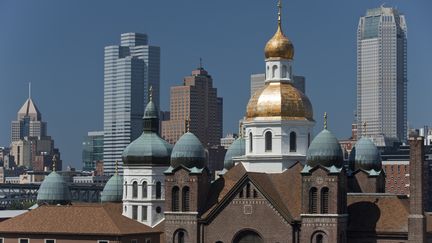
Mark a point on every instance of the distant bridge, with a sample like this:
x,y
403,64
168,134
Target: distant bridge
x,y
11,193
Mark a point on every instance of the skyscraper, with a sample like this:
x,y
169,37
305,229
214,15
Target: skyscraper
x,y
131,68
382,75
196,100
92,150
29,122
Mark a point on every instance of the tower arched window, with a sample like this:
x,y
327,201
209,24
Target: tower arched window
x,y
185,199
180,236
268,141
319,238
324,200
284,71
250,142
274,70
144,189
134,189
175,203
313,200
158,190
125,189
293,142
248,190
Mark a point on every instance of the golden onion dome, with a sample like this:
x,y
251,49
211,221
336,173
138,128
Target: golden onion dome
x,y
279,100
279,46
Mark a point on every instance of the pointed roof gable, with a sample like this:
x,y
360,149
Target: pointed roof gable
x,y
282,190
29,109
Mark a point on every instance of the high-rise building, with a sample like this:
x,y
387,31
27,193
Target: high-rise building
x,y
92,150
30,146
195,101
382,75
258,81
29,122
131,68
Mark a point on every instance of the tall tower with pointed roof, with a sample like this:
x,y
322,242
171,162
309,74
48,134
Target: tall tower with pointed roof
x,y
279,117
29,121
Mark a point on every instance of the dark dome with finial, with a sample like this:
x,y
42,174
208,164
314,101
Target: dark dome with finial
x,y
237,148
54,190
188,152
325,150
149,148
365,155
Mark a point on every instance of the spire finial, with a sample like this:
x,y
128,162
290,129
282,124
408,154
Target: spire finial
x,y
151,93
279,14
325,120
364,129
29,90
54,162
187,124
116,168
200,64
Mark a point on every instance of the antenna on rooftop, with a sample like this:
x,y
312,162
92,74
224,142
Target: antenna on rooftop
x,y
29,90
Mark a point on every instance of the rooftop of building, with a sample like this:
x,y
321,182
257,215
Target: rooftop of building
x,y
77,219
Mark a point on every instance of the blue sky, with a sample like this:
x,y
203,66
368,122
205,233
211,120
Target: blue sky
x,y
58,46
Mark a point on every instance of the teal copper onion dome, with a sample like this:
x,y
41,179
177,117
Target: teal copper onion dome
x,y
149,148
325,150
113,190
365,155
236,149
54,190
188,152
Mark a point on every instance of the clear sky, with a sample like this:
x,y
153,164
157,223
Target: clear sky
x,y
58,47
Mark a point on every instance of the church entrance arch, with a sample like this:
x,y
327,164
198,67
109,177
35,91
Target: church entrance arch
x,y
247,236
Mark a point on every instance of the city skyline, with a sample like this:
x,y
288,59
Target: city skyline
x,y
54,86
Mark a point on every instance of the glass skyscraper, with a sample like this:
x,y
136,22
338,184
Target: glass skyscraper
x,y
382,76
92,150
130,69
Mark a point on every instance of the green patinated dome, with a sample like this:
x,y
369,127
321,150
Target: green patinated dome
x,y
149,148
325,150
236,149
365,155
54,190
113,190
189,152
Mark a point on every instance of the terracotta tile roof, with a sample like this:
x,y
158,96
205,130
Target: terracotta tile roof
x,y
78,219
378,212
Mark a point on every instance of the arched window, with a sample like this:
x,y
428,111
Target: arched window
x,y
268,141
293,142
185,199
134,189
241,193
255,193
144,189
248,236
180,236
175,203
158,190
313,200
319,238
274,70
125,189
284,71
248,190
250,142
324,200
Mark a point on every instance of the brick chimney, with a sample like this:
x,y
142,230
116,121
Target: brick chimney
x,y
418,189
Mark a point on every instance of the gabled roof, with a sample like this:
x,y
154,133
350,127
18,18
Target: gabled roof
x,y
80,219
29,109
282,190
